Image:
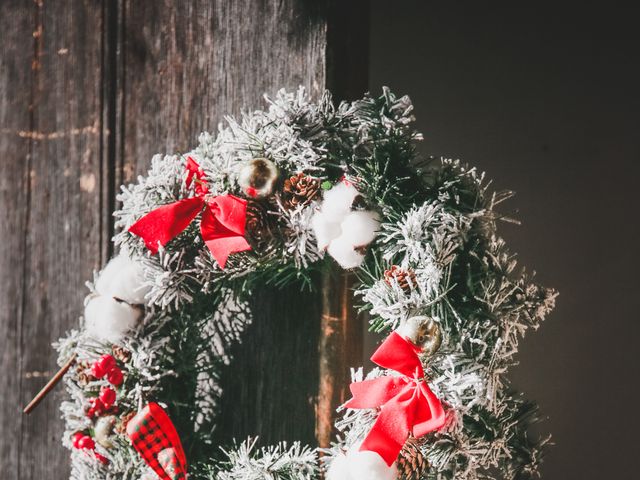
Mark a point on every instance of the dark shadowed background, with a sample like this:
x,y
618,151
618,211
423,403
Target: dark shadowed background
x,y
544,97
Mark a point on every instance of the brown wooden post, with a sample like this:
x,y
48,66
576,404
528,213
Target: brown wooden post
x,y
90,91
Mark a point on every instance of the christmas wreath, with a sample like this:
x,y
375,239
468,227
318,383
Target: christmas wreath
x,y
273,197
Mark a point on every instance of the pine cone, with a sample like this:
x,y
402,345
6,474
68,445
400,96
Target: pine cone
x,y
260,225
300,189
82,374
406,278
121,354
121,426
411,463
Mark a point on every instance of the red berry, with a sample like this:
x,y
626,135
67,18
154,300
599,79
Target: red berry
x,y
96,407
97,370
76,439
86,442
114,376
107,396
101,458
107,362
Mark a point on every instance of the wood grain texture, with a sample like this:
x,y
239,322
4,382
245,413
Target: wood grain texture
x,y
15,98
188,64
51,233
270,387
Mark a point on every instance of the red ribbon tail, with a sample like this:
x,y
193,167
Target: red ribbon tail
x,y
390,431
160,226
428,417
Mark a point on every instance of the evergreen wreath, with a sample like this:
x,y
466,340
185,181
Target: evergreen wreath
x,y
273,197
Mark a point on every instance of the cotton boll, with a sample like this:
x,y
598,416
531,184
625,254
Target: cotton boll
x,y
122,278
343,252
367,465
339,469
337,202
325,230
108,320
360,227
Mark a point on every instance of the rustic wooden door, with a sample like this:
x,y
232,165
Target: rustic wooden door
x,y
89,90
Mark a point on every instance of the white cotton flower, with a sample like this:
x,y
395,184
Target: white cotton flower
x,y
339,468
343,252
107,319
340,230
122,278
325,230
336,202
369,465
360,227
360,465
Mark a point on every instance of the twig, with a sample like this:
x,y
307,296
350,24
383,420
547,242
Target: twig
x,y
49,386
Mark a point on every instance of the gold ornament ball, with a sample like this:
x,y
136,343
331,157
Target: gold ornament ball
x,y
422,331
257,177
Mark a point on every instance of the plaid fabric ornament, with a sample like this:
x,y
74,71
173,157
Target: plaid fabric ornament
x,y
155,438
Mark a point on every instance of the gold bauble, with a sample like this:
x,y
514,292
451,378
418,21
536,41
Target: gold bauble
x,y
422,331
257,177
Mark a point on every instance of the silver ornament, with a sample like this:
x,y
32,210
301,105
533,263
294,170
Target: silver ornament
x,y
257,177
422,331
103,430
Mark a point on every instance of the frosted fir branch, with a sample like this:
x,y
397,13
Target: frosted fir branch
x,y
458,379
246,462
124,464
389,302
427,234
300,244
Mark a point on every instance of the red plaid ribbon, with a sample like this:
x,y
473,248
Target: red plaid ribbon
x,y
156,440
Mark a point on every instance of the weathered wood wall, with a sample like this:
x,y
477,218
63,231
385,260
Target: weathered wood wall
x,y
89,90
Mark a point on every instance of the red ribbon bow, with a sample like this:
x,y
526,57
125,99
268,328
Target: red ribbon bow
x,y
408,406
156,440
222,224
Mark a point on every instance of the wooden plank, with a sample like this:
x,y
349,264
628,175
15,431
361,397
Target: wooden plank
x,y
15,94
188,64
51,234
271,384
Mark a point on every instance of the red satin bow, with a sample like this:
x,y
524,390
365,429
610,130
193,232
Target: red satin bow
x,y
408,406
156,440
222,224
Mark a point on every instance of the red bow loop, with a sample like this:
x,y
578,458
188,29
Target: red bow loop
x,y
408,406
222,224
222,227
155,438
194,170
